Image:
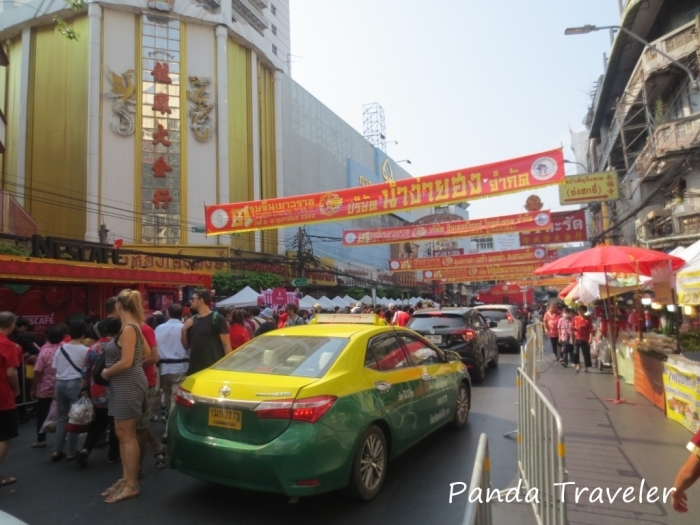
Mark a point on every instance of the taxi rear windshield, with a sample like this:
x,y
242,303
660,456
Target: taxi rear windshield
x,y
285,356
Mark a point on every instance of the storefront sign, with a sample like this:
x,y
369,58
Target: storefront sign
x,y
482,273
64,249
537,254
521,222
448,253
591,187
682,390
532,171
565,227
181,262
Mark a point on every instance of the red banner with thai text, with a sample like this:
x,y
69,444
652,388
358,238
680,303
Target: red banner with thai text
x,y
489,180
531,255
521,222
567,226
482,273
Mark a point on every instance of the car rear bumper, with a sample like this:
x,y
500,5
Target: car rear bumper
x,y
302,452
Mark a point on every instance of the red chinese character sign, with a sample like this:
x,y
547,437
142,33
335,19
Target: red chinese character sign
x,y
160,129
566,227
515,175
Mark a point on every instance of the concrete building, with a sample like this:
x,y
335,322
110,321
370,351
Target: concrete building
x,y
644,122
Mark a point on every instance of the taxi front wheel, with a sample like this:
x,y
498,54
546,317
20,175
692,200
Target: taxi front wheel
x,y
463,406
369,465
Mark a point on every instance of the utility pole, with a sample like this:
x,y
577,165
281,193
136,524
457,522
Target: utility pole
x,y
300,253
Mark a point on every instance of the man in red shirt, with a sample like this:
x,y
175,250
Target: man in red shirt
x,y
401,317
551,327
687,475
9,387
583,333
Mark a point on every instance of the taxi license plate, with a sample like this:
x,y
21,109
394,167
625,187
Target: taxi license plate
x,y
434,338
221,417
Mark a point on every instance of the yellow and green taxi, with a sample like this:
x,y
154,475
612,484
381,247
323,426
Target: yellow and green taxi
x,y
309,409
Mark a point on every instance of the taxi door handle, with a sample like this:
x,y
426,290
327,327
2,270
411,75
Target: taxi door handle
x,y
382,386
427,377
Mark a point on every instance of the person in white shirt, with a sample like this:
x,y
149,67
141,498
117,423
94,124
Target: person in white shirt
x,y
173,357
68,362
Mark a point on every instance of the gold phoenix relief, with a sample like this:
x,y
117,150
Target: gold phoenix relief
x,y
123,95
201,108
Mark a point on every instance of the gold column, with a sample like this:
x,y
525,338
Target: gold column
x,y
268,168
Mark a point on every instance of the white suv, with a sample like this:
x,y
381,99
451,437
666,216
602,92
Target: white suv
x,y
510,329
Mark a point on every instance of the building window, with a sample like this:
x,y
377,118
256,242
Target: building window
x,y
484,243
274,49
273,9
274,29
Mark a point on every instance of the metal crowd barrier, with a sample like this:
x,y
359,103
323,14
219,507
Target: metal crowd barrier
x,y
478,512
541,451
25,385
533,349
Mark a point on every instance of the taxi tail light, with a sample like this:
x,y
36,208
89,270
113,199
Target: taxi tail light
x,y
310,409
184,398
510,319
466,333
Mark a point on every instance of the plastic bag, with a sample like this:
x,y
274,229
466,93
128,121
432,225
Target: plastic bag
x,y
82,412
51,420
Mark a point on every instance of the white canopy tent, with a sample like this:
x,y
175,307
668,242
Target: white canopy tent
x,y
244,298
366,300
349,300
307,302
326,303
339,301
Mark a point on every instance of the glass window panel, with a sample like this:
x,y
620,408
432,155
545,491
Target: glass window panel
x,y
148,157
174,33
162,43
174,160
147,145
175,147
148,122
148,87
174,125
174,91
148,29
149,64
173,45
174,68
175,112
147,100
174,136
162,121
161,31
149,41
176,56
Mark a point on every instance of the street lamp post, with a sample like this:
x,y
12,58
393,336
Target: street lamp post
x,y
590,28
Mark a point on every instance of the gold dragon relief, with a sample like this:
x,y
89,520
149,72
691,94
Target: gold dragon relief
x,y
123,96
201,108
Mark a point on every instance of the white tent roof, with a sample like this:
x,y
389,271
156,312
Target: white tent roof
x,y
246,297
413,300
366,300
349,299
339,301
690,255
307,302
677,251
326,303
383,301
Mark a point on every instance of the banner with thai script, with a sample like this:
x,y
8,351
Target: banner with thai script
x,y
489,180
567,226
482,273
521,222
591,187
537,254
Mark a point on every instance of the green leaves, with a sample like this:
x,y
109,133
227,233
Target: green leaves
x,y
61,25
228,284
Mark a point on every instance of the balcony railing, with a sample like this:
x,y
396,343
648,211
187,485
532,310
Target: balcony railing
x,y
678,220
669,139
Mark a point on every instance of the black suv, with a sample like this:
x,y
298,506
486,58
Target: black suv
x,y
461,330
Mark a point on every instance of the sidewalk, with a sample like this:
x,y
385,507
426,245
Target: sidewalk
x,y
613,446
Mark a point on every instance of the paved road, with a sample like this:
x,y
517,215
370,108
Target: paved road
x,y
416,490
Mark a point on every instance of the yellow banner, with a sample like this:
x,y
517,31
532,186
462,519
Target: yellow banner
x,y
682,397
591,187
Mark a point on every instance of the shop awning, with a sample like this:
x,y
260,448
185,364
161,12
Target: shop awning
x,y
31,269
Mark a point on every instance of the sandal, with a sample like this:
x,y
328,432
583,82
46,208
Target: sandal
x,y
7,481
40,444
114,488
120,496
160,458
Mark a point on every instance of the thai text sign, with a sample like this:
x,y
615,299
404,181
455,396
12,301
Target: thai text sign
x,y
523,173
682,389
566,227
482,273
592,187
506,258
521,222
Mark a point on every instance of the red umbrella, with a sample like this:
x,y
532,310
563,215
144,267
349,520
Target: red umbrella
x,y
566,291
618,259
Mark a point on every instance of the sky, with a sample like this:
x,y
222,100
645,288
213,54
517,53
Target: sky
x,y
462,82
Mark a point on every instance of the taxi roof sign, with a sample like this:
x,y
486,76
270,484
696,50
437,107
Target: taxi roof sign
x,y
348,319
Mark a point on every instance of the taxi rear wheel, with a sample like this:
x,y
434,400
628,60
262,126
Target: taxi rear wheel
x,y
369,465
463,406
